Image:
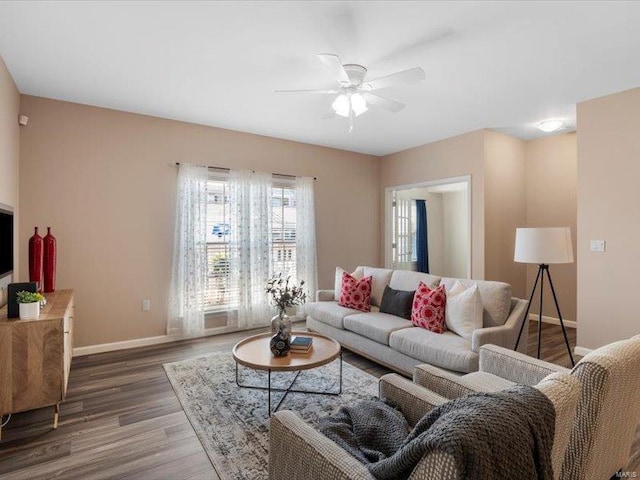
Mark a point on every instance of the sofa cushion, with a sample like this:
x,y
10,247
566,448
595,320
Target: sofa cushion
x,y
381,277
376,326
409,280
337,287
428,308
397,302
496,298
355,293
330,313
463,313
445,350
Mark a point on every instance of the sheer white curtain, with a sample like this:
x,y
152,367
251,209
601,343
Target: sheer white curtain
x,y
250,245
189,267
306,263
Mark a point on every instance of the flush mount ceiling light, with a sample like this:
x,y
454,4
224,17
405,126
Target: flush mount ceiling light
x,y
551,125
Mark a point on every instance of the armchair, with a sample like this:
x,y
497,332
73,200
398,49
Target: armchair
x,y
298,452
607,413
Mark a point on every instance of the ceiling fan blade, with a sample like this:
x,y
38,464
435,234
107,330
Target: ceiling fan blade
x,y
333,62
411,75
381,102
315,92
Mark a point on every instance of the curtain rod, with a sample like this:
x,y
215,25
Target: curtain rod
x,y
228,169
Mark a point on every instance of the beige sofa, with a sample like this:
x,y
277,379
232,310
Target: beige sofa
x,y
398,344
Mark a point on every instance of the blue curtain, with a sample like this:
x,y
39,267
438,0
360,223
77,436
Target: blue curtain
x,y
422,243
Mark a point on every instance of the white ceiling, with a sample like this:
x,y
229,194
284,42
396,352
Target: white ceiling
x,y
500,65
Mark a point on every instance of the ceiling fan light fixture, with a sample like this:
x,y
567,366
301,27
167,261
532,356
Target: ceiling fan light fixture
x,y
352,95
358,103
345,102
551,125
341,105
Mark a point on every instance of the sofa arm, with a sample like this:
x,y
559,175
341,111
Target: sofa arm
x,y
299,452
515,366
563,390
441,382
505,335
325,295
411,399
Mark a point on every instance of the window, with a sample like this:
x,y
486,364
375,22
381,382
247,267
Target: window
x,y
283,235
219,294
217,285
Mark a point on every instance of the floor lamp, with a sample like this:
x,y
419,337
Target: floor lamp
x,y
543,246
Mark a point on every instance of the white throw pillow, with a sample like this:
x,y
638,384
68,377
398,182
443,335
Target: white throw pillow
x,y
337,286
380,278
463,312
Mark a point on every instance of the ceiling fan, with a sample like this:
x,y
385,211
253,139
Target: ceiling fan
x,y
353,95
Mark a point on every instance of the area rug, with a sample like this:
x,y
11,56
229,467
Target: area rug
x,y
232,422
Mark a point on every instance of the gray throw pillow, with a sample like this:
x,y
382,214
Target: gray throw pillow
x,y
397,302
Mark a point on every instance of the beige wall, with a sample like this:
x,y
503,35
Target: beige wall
x,y
515,183
104,181
435,231
552,164
9,151
505,208
455,212
452,157
9,137
496,163
608,209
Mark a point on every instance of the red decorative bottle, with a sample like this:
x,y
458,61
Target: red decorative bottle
x,y
35,259
49,262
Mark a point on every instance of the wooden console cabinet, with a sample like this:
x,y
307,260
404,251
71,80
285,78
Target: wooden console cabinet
x,y
35,357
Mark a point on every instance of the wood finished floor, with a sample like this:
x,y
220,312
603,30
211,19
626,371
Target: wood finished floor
x,y
121,418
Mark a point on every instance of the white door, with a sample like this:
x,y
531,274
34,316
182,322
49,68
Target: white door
x,y
402,237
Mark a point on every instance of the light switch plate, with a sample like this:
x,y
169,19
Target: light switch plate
x,y
598,245
146,305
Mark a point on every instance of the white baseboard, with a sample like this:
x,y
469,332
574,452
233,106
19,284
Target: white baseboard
x,y
554,320
149,341
145,342
124,345
582,351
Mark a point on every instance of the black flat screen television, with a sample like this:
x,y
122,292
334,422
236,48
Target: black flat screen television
x,y
6,242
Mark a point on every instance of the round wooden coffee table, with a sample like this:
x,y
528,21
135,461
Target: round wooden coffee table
x,y
253,352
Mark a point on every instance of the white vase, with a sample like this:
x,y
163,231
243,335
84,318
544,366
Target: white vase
x,y
29,311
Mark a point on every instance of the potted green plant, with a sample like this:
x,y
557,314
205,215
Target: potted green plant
x,y
29,304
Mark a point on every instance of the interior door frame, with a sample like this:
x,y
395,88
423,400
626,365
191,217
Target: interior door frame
x,y
388,207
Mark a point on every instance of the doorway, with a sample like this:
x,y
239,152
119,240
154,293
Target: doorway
x,y
428,227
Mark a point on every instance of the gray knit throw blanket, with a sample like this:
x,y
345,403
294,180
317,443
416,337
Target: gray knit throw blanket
x,y
501,435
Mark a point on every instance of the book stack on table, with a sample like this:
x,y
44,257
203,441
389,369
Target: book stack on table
x,y
300,344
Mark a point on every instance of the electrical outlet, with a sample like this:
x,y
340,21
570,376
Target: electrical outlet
x,y
146,305
598,245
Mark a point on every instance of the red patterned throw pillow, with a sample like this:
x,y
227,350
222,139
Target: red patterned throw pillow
x,y
355,293
428,308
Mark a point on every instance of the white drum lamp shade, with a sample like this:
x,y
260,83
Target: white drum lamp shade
x,y
543,245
